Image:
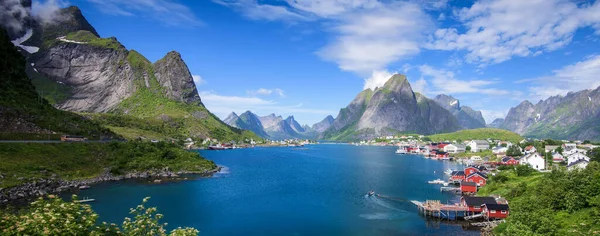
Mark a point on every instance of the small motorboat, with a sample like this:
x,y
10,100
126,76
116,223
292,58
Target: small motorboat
x,y
82,187
401,151
437,181
371,193
85,200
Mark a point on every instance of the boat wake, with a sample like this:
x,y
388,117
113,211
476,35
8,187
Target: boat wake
x,y
382,216
224,171
380,202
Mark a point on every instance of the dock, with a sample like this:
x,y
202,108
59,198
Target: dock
x,y
450,189
434,208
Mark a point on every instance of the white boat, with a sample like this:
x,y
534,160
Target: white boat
x,y
86,200
82,187
371,193
437,181
401,151
448,171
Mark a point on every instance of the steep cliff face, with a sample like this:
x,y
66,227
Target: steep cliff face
x,y
574,116
466,116
99,78
173,75
391,109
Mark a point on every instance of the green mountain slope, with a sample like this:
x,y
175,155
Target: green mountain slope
x,y
482,133
22,111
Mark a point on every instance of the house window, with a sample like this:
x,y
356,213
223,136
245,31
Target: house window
x,y
476,208
493,211
481,181
503,212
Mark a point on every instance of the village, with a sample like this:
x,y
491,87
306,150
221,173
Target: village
x,y
482,159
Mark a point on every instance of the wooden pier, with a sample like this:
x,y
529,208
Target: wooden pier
x,y
436,209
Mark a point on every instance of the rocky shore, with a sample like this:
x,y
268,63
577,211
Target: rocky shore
x,y
43,187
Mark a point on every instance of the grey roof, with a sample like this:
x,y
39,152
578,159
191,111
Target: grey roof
x,y
497,207
577,162
481,142
478,201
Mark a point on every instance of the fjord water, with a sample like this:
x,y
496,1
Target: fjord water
x,y
316,190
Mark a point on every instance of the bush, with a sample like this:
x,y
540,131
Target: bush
x,y
53,216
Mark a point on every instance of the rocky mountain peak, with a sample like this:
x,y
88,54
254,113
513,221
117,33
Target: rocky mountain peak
x,y
173,74
323,125
448,102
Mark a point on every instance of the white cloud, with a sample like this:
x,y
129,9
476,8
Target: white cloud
x,y
368,34
265,92
497,31
445,82
168,12
256,11
377,79
223,105
48,12
373,38
198,80
578,76
420,86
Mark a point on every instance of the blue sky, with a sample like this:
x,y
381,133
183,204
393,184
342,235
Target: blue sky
x,y
310,58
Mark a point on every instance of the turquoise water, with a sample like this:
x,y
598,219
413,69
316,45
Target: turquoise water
x,y
317,190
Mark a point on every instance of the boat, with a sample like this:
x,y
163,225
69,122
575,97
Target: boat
x,y
85,200
216,147
437,181
82,187
401,151
371,193
448,171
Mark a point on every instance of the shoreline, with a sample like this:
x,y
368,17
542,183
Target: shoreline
x,y
43,187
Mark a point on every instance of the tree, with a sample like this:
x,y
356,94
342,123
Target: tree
x,y
559,149
595,155
468,148
513,151
503,144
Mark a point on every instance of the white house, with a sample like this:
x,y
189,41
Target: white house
x,y
569,148
550,148
479,145
534,160
530,149
499,150
556,157
576,157
579,164
508,143
454,148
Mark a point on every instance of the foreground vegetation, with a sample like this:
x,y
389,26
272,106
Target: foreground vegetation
x,y
557,203
482,133
27,162
53,216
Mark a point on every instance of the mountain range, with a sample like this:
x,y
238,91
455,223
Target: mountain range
x,y
466,116
275,127
388,110
575,116
76,70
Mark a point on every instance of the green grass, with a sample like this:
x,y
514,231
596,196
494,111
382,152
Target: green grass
x,y
49,89
91,39
557,203
25,162
483,134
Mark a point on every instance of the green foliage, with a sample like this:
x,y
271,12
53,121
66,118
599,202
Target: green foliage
x,y
87,37
25,162
523,170
468,148
482,133
513,151
557,203
54,216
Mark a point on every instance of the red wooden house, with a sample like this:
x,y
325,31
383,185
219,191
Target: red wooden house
x,y
470,170
441,146
479,178
440,154
474,203
468,187
495,211
509,161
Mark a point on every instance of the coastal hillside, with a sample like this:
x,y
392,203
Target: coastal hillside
x,y
571,117
77,70
26,115
391,109
466,116
480,134
272,126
